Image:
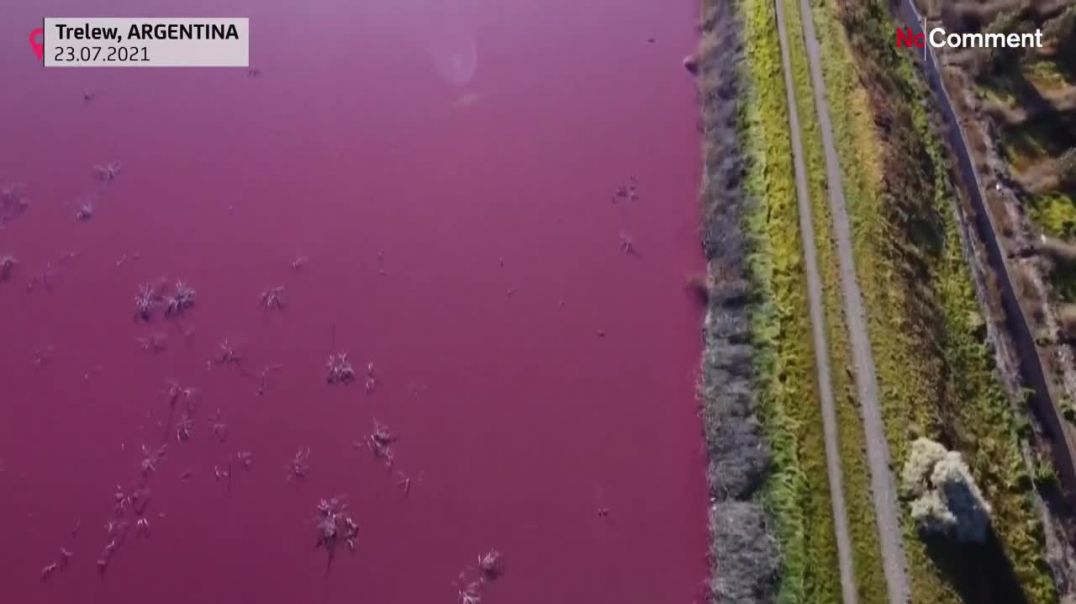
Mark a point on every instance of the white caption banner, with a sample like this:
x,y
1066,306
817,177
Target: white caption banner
x,y
147,42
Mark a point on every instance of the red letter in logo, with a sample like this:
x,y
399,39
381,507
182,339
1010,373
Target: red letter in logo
x,y
907,39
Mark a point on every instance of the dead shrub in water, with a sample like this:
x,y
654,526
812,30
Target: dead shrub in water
x,y
340,370
335,524
699,285
7,266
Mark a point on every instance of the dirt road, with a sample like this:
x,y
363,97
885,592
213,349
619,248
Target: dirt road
x,y
887,510
818,335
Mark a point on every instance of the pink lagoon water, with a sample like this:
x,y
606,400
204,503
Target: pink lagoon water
x,y
449,171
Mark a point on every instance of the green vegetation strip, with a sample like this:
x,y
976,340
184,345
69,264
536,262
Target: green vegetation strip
x,y
935,368
797,490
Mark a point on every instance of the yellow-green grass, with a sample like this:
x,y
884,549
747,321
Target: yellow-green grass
x,y
870,580
1031,147
798,492
1055,214
1032,143
1022,84
1047,73
935,371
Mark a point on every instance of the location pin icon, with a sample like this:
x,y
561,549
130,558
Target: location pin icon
x,y
39,47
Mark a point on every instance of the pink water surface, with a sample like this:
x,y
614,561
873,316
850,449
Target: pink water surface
x,y
475,145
